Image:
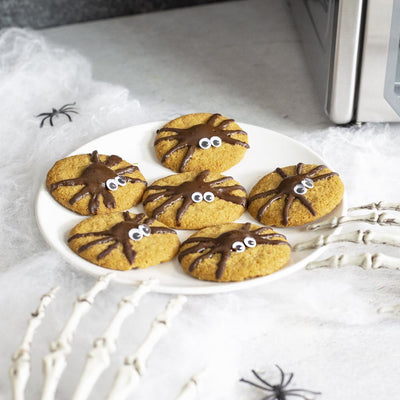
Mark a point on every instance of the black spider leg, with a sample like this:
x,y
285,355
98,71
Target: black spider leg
x,y
44,119
284,384
269,387
65,106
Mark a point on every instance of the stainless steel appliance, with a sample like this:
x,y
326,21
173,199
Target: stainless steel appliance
x,y
353,47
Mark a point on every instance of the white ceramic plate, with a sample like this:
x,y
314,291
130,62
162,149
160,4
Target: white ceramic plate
x,y
268,150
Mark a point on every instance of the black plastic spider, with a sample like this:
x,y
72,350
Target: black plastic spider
x,y
65,110
293,187
228,243
202,136
280,391
123,233
188,192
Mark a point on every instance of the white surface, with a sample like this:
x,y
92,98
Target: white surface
x,y
268,150
322,325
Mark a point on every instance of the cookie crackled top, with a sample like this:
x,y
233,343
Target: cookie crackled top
x,y
196,142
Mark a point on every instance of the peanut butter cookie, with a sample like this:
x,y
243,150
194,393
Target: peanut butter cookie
x,y
123,241
233,252
196,142
95,184
295,195
193,200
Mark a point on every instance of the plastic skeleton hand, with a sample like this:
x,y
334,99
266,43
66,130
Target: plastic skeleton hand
x,y
99,357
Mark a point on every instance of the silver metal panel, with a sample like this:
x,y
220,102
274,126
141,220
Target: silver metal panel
x,y
314,21
344,63
330,32
392,79
372,106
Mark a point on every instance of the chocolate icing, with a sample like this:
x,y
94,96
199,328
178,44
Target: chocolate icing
x,y
286,188
119,234
190,137
186,189
94,178
222,244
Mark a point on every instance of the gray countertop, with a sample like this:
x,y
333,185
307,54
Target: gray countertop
x,y
243,59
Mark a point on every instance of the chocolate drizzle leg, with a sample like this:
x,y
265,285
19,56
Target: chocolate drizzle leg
x,y
94,178
289,187
119,235
185,190
190,137
222,244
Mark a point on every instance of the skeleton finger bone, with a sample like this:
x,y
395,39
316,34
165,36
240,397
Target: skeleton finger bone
x,y
382,219
128,375
381,205
189,391
366,261
395,309
21,360
55,362
359,236
98,359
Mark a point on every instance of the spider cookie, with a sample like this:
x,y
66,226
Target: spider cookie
x,y
195,142
234,252
194,200
95,184
295,195
123,241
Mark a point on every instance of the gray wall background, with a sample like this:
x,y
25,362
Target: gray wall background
x,y
46,13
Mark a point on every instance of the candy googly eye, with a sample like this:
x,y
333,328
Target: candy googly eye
x,y
250,242
197,197
300,189
135,234
308,183
205,143
239,247
208,197
111,184
121,180
216,141
144,229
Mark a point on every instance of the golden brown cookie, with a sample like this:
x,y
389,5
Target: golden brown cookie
x,y
194,200
234,252
123,241
295,195
95,184
196,142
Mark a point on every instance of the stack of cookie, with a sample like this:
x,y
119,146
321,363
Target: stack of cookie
x,y
198,147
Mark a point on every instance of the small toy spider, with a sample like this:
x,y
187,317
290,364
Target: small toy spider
x,y
280,391
293,187
201,136
121,234
99,180
65,110
228,243
193,192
